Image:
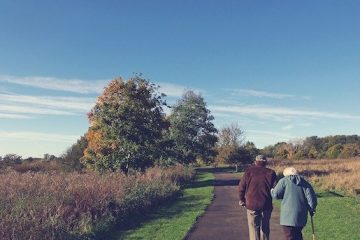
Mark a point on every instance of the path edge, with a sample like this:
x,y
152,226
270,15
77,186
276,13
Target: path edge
x,y
193,227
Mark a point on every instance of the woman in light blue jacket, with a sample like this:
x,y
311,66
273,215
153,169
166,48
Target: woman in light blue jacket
x,y
298,198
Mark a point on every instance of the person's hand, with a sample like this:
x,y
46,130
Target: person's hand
x,y
242,204
312,212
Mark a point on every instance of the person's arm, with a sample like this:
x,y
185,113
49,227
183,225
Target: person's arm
x,y
311,198
279,190
242,190
273,179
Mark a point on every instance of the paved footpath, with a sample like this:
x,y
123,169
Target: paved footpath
x,y
224,218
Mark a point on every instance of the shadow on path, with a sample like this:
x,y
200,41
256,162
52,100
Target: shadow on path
x,y
217,182
220,169
226,182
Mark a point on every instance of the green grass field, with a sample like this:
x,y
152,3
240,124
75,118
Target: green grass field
x,y
175,220
337,217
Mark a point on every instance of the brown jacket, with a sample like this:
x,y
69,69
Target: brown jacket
x,y
254,188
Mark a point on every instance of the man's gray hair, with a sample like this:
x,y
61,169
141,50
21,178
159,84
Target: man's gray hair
x,y
260,158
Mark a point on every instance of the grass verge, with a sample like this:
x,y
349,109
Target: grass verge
x,y
174,220
337,217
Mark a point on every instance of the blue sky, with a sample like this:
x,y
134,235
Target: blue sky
x,y
282,70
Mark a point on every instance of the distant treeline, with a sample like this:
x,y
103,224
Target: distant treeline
x,y
230,149
339,146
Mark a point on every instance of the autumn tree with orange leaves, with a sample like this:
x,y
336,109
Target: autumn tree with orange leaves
x,y
127,125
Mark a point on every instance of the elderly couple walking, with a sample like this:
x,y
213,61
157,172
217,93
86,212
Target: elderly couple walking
x,y
259,186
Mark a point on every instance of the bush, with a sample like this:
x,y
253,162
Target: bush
x,y
350,150
334,151
75,206
41,166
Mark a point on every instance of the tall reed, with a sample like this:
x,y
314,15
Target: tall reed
x,y
341,175
74,205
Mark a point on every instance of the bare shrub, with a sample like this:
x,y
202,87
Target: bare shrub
x,y
40,166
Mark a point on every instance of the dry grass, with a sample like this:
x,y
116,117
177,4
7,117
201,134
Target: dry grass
x,y
341,175
73,205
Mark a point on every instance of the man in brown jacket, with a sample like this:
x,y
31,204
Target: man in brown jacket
x,y
254,192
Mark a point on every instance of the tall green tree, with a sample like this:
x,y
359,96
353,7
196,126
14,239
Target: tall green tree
x,y
192,130
126,126
252,151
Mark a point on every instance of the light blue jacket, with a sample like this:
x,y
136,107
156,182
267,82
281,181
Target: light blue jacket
x,y
298,197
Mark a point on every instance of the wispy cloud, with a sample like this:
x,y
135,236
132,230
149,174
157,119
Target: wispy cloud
x,y
37,136
79,104
172,90
263,137
51,83
32,110
279,112
175,90
13,116
292,126
222,115
15,106
82,86
264,94
270,133
288,127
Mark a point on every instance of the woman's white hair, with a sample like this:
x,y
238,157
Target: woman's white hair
x,y
289,171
